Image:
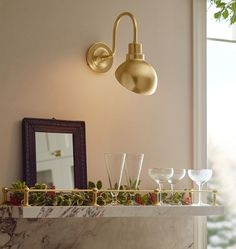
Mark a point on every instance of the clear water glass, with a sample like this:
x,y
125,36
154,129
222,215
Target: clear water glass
x,y
133,167
160,176
200,177
114,165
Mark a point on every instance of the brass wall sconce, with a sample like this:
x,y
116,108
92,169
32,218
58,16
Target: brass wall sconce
x,y
135,73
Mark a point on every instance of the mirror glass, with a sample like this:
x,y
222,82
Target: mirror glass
x,y
54,159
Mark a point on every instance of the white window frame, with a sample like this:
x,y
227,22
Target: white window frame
x,y
199,108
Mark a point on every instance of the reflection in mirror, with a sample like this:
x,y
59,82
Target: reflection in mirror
x,y
54,152
54,159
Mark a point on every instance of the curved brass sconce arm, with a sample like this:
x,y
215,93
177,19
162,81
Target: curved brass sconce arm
x,y
116,23
135,73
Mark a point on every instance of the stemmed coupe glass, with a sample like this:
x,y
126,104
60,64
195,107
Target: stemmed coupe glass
x,y
178,175
200,177
133,167
161,176
115,165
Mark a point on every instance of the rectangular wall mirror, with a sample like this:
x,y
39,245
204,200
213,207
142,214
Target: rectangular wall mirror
x,y
54,152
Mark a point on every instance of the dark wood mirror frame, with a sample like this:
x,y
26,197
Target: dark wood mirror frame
x,y
77,128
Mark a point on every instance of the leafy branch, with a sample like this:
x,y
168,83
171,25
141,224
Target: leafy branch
x,y
226,10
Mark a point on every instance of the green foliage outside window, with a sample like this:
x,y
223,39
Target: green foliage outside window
x,y
226,10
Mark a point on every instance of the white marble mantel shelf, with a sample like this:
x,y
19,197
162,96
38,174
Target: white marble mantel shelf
x,y
107,211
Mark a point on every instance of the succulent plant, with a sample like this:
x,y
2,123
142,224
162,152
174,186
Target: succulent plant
x,y
53,198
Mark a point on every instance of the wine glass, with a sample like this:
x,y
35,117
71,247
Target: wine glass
x,y
200,176
178,175
114,165
160,176
133,167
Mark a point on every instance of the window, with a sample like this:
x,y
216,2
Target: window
x,y
221,128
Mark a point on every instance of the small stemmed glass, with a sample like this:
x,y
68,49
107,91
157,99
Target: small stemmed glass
x,y
133,166
160,176
178,175
200,177
115,165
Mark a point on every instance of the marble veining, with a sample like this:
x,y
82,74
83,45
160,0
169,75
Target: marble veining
x,y
106,211
11,211
98,227
106,233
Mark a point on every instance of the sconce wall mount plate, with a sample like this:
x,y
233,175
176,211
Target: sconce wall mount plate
x,y
135,74
99,57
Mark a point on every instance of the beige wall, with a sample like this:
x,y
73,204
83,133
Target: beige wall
x,y
43,74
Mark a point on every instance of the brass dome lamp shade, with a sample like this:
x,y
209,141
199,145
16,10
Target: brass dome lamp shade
x,y
135,74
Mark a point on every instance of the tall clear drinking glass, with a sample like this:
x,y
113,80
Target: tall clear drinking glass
x,y
114,165
133,167
200,177
161,176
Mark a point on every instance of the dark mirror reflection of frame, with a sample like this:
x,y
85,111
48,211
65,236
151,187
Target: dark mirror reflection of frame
x,y
54,151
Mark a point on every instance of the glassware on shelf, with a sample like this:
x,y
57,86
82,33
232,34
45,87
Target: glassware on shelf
x,y
133,167
200,177
178,175
114,165
160,176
